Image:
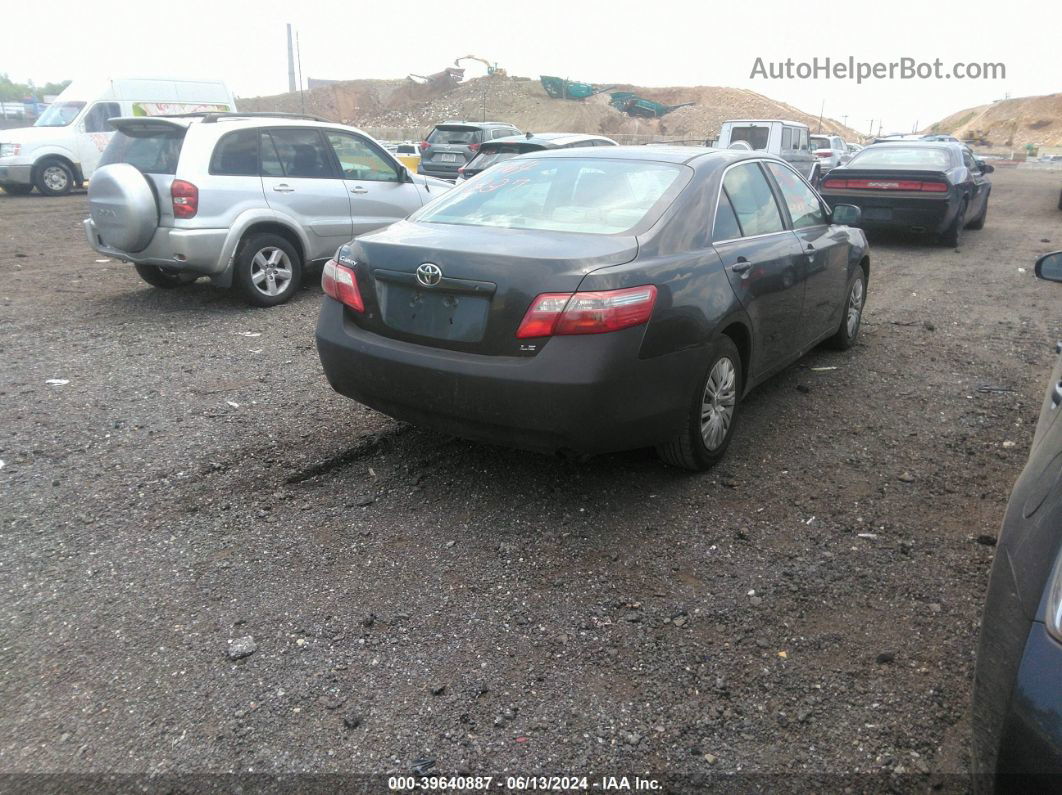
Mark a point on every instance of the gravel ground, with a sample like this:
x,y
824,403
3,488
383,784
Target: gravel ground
x,y
809,606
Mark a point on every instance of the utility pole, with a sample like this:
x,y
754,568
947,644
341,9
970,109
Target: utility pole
x,y
844,120
302,94
821,111
870,130
291,64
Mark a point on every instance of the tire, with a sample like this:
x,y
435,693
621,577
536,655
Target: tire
x,y
953,234
263,262
846,333
53,178
17,189
689,448
164,279
979,221
1060,201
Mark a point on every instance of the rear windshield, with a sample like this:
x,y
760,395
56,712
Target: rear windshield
x,y
755,136
600,197
492,154
820,143
890,156
453,135
153,149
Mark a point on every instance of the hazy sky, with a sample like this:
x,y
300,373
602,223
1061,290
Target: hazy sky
x,y
653,44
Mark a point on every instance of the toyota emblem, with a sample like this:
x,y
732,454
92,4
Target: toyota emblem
x,y
429,274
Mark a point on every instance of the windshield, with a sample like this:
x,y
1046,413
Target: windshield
x,y
819,143
59,114
453,135
600,197
890,156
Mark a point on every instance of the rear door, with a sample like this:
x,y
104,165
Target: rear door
x,y
300,181
764,263
825,251
377,187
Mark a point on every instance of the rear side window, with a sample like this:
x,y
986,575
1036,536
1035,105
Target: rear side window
x,y
755,136
299,152
726,225
753,200
152,148
236,154
787,138
454,135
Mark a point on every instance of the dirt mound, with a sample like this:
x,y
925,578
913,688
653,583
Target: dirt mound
x,y
1009,122
401,105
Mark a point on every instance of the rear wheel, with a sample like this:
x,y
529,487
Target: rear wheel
x,y
953,234
165,279
54,178
16,189
712,414
268,270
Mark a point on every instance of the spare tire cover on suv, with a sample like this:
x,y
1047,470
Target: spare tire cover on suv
x,y
123,207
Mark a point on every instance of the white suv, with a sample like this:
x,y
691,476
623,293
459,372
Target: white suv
x,y
831,150
245,199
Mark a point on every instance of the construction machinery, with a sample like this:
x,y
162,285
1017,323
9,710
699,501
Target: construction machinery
x,y
633,105
493,70
560,88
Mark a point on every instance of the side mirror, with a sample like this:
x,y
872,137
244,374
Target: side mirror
x,y
1049,267
846,214
986,168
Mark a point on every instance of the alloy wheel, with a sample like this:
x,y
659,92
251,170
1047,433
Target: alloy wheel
x,y
855,306
271,271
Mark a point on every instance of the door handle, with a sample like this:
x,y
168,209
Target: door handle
x,y
283,188
359,189
741,266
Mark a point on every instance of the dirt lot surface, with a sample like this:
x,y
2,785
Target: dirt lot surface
x,y
810,606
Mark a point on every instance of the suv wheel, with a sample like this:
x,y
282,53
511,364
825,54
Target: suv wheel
x,y
268,270
54,178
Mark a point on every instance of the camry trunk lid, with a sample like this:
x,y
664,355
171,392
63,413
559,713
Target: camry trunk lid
x,y
474,283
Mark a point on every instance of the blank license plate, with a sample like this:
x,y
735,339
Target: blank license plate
x,y
447,158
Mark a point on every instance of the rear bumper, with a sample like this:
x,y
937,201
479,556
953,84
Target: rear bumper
x,y
894,212
442,171
1030,746
192,250
586,394
16,174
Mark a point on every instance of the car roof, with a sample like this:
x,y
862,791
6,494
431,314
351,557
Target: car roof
x,y
235,121
548,138
766,121
477,124
685,155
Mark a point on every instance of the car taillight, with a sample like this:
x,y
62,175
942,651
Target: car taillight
x,y
555,314
185,198
339,282
424,145
461,170
474,147
886,184
823,154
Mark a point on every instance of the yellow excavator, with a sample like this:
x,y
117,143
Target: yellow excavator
x,y
492,70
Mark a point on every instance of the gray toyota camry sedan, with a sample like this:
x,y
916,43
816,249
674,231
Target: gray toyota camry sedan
x,y
585,301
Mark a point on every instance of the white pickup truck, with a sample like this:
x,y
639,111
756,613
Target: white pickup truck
x,y
785,139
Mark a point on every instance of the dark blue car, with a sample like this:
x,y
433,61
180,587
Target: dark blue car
x,y
592,300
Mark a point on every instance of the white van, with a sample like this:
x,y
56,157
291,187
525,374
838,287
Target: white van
x,y
62,148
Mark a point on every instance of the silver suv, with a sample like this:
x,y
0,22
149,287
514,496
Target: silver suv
x,y
245,199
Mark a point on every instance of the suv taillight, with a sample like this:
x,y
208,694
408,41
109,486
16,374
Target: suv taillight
x,y
474,147
555,314
185,197
423,145
341,283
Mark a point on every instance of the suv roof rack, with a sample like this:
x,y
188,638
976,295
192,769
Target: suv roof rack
x,y
211,116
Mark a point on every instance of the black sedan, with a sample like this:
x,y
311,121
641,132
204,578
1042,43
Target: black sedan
x,y
491,153
921,186
1017,705
592,300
